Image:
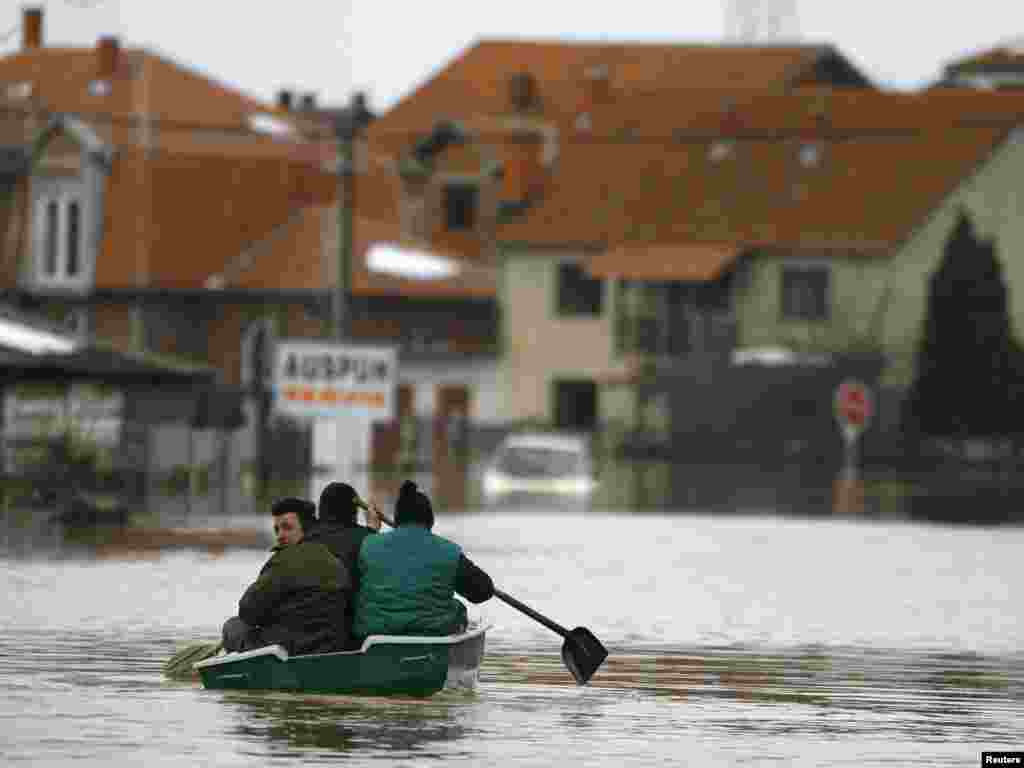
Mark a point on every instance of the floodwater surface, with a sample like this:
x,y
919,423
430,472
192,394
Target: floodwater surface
x,y
733,641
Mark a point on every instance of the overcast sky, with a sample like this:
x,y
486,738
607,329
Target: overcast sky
x,y
388,47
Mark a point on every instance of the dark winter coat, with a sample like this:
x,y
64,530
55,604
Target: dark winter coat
x,y
343,541
407,581
299,599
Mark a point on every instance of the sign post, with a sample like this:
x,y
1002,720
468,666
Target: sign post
x,y
853,406
343,389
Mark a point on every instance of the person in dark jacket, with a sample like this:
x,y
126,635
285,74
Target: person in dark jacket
x,y
408,577
337,527
299,599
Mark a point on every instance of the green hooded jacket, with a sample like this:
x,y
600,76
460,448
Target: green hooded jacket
x,y
407,584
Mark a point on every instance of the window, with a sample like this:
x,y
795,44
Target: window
x,y
460,204
60,225
805,292
578,293
575,404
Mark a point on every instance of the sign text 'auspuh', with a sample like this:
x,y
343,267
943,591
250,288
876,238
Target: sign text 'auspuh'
x,y
317,366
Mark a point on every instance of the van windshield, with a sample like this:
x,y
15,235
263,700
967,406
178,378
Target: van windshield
x,y
535,461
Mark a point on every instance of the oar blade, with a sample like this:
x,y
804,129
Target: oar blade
x,y
179,666
583,654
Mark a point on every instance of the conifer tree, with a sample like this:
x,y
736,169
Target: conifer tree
x,y
970,369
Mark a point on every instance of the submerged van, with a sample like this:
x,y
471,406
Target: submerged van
x,y
540,467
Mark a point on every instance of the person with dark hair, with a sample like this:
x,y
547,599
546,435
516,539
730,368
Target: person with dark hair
x,y
337,527
408,577
299,599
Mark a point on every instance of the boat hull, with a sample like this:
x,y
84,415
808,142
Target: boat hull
x,y
385,665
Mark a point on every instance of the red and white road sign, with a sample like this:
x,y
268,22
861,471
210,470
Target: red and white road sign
x,y
854,405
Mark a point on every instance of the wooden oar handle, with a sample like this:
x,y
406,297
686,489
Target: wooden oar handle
x,y
531,613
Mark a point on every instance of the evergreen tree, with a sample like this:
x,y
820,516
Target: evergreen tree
x,y
970,369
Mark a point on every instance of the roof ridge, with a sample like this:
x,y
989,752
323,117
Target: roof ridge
x,y
645,43
251,251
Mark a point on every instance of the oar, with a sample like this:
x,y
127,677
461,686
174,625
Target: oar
x,y
582,652
179,666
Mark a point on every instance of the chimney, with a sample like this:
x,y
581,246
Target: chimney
x,y
32,28
284,100
597,83
522,91
108,52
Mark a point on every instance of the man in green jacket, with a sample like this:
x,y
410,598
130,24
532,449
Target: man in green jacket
x,y
299,599
408,577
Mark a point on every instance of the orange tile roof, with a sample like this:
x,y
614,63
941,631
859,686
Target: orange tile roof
x,y
142,83
172,219
475,82
863,193
805,111
293,259
686,262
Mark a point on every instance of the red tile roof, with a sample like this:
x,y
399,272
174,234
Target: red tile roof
x,y
862,193
476,82
143,83
688,262
294,259
173,219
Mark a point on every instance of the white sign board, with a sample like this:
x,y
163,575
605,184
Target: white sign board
x,y
324,379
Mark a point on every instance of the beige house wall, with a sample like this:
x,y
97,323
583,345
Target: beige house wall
x,y
539,346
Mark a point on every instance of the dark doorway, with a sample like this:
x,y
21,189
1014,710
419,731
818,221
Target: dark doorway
x,y
575,404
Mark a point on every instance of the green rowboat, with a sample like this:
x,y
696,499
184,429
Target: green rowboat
x,y
385,665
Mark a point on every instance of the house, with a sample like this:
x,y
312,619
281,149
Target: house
x,y
1001,67
551,111
140,192
663,212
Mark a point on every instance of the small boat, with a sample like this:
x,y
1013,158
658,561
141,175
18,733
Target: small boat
x,y
384,665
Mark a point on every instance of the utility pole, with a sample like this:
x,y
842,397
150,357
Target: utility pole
x,y
347,130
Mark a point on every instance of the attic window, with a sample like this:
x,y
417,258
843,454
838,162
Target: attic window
x,y
719,150
99,88
810,155
460,205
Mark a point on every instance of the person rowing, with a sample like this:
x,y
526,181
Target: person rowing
x,y
409,576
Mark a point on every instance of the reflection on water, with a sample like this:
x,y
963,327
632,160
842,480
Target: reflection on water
x,y
336,725
738,641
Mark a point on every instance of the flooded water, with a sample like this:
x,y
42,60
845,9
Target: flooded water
x,y
733,641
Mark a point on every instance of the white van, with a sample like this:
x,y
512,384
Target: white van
x,y
540,467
